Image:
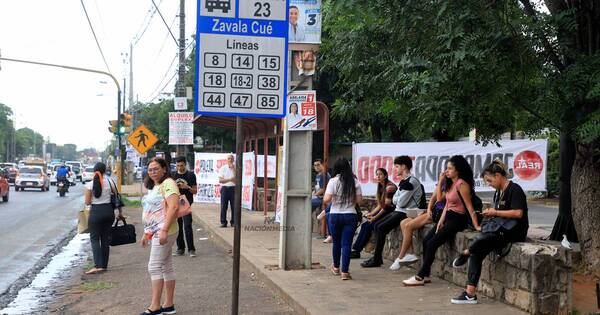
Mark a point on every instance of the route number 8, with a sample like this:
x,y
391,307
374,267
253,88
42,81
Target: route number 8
x,y
262,9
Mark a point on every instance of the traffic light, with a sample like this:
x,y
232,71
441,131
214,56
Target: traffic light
x,y
113,126
126,123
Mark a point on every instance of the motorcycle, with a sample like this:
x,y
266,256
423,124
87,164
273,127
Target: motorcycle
x,y
62,187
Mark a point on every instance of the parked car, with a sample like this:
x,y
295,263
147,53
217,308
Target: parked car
x,y
12,170
4,187
87,175
70,177
77,168
32,177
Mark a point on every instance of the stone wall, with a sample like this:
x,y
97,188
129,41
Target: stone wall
x,y
535,276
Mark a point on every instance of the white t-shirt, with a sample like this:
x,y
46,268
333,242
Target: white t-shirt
x,y
105,197
226,172
334,187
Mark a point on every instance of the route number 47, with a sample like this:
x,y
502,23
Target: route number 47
x,y
263,9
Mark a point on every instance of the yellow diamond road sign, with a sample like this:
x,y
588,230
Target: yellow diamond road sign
x,y
142,139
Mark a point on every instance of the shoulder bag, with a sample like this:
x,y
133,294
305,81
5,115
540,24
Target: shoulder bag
x,y
122,234
115,197
184,208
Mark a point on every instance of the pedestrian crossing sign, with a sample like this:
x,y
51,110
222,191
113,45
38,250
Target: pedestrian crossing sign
x,y
142,139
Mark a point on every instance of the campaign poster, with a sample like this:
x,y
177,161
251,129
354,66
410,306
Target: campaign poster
x,y
304,21
302,111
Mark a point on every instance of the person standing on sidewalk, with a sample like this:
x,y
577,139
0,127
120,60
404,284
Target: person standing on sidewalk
x,y
504,224
227,181
161,229
316,200
102,215
343,193
186,181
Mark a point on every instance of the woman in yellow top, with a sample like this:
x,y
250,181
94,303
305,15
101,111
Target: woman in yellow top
x,y
160,227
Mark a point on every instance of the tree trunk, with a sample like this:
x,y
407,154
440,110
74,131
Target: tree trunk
x,y
564,222
585,190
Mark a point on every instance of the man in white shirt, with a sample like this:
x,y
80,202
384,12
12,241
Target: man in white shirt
x,y
227,181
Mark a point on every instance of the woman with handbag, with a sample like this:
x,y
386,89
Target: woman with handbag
x,y
435,207
160,208
503,224
343,192
97,193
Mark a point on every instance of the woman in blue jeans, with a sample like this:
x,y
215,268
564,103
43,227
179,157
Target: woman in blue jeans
x,y
343,193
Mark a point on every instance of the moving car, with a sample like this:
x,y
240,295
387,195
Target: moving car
x,y
87,175
12,170
4,187
32,177
71,177
76,167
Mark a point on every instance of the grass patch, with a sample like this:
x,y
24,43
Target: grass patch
x,y
131,203
96,286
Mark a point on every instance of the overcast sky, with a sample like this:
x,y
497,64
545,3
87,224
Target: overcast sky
x,y
74,107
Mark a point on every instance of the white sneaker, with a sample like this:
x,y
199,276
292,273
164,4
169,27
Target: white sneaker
x,y
413,282
396,264
408,259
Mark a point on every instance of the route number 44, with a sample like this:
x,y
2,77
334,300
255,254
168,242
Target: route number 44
x,y
263,9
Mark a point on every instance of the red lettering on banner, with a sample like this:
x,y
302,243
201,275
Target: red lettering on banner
x,y
221,163
528,165
362,169
246,194
248,168
218,191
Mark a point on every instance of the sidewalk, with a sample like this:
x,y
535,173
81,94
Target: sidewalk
x,y
203,283
316,291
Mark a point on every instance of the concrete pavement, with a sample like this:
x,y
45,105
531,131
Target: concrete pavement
x,y
316,291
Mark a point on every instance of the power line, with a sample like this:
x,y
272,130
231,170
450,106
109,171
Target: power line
x,y
95,38
158,90
167,25
138,36
165,39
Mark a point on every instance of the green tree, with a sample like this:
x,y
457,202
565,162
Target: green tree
x,y
6,133
446,67
28,142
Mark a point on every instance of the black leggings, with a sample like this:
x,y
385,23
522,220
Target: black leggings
x,y
454,223
484,244
101,219
383,227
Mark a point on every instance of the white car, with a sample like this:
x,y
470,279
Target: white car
x,y
77,168
87,175
32,177
70,177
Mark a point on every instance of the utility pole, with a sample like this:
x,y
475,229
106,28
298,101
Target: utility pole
x,y
180,88
130,75
121,144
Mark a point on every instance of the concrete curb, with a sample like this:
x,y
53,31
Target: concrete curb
x,y
261,275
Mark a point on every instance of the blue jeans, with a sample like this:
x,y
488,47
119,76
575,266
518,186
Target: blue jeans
x,y
227,198
366,229
316,203
342,232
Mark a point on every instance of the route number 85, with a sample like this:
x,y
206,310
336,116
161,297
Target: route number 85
x,y
262,9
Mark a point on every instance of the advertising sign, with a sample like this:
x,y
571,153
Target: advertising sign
x,y
302,114
248,180
305,21
242,58
526,161
181,128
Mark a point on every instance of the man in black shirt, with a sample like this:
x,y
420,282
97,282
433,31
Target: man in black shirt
x,y
186,181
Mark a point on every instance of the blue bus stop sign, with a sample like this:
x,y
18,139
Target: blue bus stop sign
x,y
242,56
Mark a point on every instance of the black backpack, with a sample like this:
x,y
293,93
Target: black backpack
x,y
422,204
477,206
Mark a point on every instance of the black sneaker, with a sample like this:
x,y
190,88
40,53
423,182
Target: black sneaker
x,y
168,310
460,260
354,254
151,312
179,252
371,263
223,225
464,298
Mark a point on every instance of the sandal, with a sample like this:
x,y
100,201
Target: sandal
x,y
335,271
346,276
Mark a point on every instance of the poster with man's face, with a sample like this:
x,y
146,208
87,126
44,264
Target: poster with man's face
x,y
305,21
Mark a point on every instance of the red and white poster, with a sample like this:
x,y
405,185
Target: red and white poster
x,y
181,128
526,161
248,180
302,111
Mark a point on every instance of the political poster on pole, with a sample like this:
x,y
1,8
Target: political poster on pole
x,y
181,128
302,113
305,21
248,180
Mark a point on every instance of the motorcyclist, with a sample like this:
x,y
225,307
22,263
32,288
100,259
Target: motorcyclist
x,y
61,176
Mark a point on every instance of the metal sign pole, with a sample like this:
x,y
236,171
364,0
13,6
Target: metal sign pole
x,y
235,288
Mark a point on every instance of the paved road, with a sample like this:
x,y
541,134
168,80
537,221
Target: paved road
x,y
32,222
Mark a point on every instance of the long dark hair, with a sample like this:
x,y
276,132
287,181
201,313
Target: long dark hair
x,y
465,172
381,187
99,171
148,182
342,168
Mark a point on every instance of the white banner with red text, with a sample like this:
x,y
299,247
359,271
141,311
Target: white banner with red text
x,y
526,161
